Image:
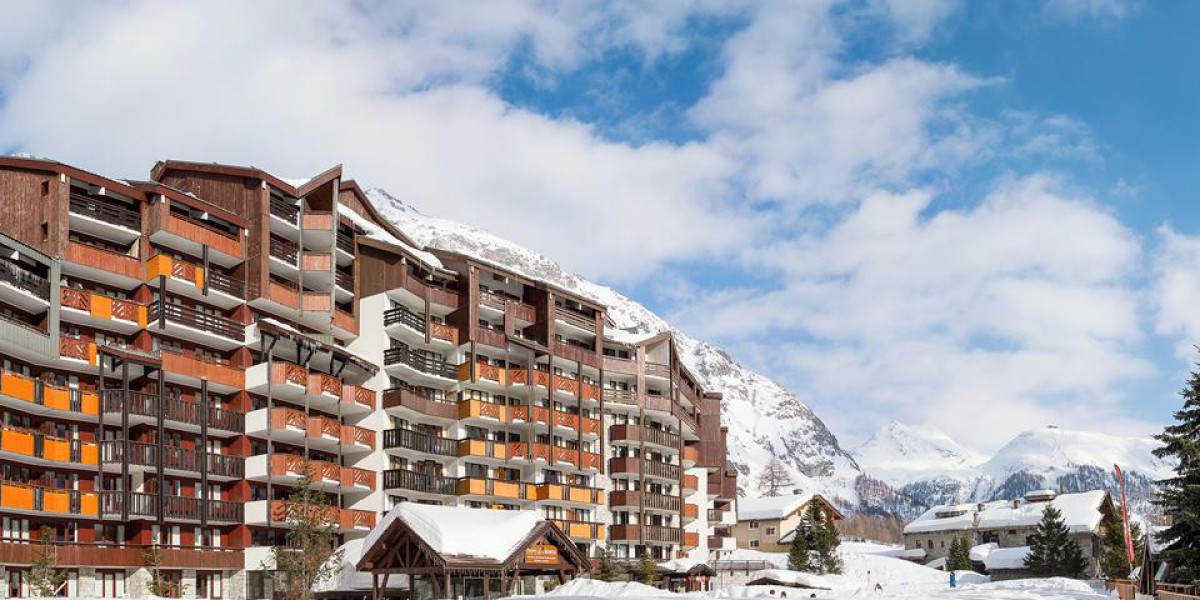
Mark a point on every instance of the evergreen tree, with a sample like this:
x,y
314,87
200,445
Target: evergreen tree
x,y
159,585
308,555
952,558
774,479
963,559
609,569
799,557
44,575
647,569
1114,559
824,542
1179,496
1053,552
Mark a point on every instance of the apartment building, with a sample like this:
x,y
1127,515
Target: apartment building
x,y
175,350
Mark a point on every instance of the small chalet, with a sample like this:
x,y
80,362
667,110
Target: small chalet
x,y
685,575
767,524
456,551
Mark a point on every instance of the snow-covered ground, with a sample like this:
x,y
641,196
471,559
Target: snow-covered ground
x,y
865,565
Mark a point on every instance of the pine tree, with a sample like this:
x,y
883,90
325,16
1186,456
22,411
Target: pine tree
x,y
1179,496
952,558
609,569
774,479
647,569
308,555
1053,552
799,557
44,575
159,585
825,541
963,559
1114,559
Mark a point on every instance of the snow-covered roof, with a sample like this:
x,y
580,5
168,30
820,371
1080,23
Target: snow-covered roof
x,y
346,578
980,552
791,578
1006,558
1081,512
913,554
461,531
594,588
775,507
374,230
680,565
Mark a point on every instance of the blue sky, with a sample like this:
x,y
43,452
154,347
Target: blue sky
x,y
937,211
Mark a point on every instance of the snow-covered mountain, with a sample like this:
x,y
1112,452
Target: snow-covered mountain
x,y
900,454
765,420
931,468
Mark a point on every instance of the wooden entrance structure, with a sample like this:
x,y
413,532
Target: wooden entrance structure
x,y
400,549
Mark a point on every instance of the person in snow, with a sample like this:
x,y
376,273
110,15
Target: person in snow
x,y
953,580
878,587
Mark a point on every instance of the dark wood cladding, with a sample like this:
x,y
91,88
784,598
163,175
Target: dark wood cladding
x,y
35,209
229,192
648,533
635,433
110,555
414,400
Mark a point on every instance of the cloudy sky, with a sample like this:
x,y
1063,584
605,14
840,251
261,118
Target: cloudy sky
x,y
970,214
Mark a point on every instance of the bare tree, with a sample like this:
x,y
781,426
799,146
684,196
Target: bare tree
x,y
774,479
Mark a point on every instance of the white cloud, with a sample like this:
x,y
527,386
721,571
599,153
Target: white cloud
x,y
1176,290
1021,307
1075,11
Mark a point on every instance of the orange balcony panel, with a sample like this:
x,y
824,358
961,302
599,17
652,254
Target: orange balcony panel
x,y
319,427
89,503
317,220
691,482
482,448
89,454
441,331
91,403
164,266
484,410
691,511
345,320
472,486
114,262
518,377
282,294
316,301
17,442
16,496
490,373
464,372
199,233
56,449
56,501
691,539
352,477
691,454
17,386
357,519
507,489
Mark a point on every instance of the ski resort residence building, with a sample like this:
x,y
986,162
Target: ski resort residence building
x,y
1000,532
768,524
175,351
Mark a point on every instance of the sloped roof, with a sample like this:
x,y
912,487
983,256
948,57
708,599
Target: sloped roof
x,y
775,507
1081,511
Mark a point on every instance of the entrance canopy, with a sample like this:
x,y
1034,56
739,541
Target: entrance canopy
x,y
446,544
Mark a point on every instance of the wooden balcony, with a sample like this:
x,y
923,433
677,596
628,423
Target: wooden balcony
x,y
358,436
359,397
691,483
690,513
174,458
21,278
220,372
419,402
35,444
587,356
317,220
444,332
482,449
345,321
316,261
649,500
324,427
104,260
554,454
420,442
357,479
102,307
356,520
482,486
40,393
36,498
105,210
321,384
650,468
657,370
195,319
111,555
650,435
401,355
77,348
583,530
645,533
613,364
567,493
490,337
285,211
205,235
620,396
477,409
690,456
691,539
402,479
577,319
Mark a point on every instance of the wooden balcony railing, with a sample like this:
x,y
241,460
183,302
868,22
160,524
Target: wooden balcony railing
x,y
401,315
358,478
319,427
24,279
646,533
285,210
628,464
420,402
317,220
284,250
102,307
420,442
634,433
226,284
105,260
353,395
77,348
105,211
619,396
404,479
206,234
320,383
401,355
116,555
579,320
190,317
650,500
444,332
657,370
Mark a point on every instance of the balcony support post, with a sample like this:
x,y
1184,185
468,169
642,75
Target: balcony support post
x,y
203,452
270,429
204,262
124,442
161,450
600,416
100,426
162,301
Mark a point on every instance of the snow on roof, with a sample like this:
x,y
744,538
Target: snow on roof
x,y
937,563
375,231
462,531
594,588
1080,511
1006,558
346,578
679,565
980,552
913,554
794,578
776,507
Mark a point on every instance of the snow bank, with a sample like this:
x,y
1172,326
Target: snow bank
x,y
594,588
1006,558
980,552
793,578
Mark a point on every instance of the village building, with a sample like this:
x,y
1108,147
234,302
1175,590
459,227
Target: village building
x,y
767,524
1000,532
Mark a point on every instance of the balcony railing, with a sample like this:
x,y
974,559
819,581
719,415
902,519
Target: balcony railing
x,y
174,458
425,364
42,499
226,284
420,402
175,508
657,370
649,500
421,442
46,447
186,315
105,211
419,482
284,210
620,396
647,533
285,251
403,316
633,433
22,278
344,280
575,318
345,243
629,464
146,405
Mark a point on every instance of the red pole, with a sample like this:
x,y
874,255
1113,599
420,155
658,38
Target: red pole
x,y
1125,518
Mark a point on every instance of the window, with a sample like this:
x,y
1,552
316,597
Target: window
x,y
753,543
753,524
770,531
112,583
208,585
